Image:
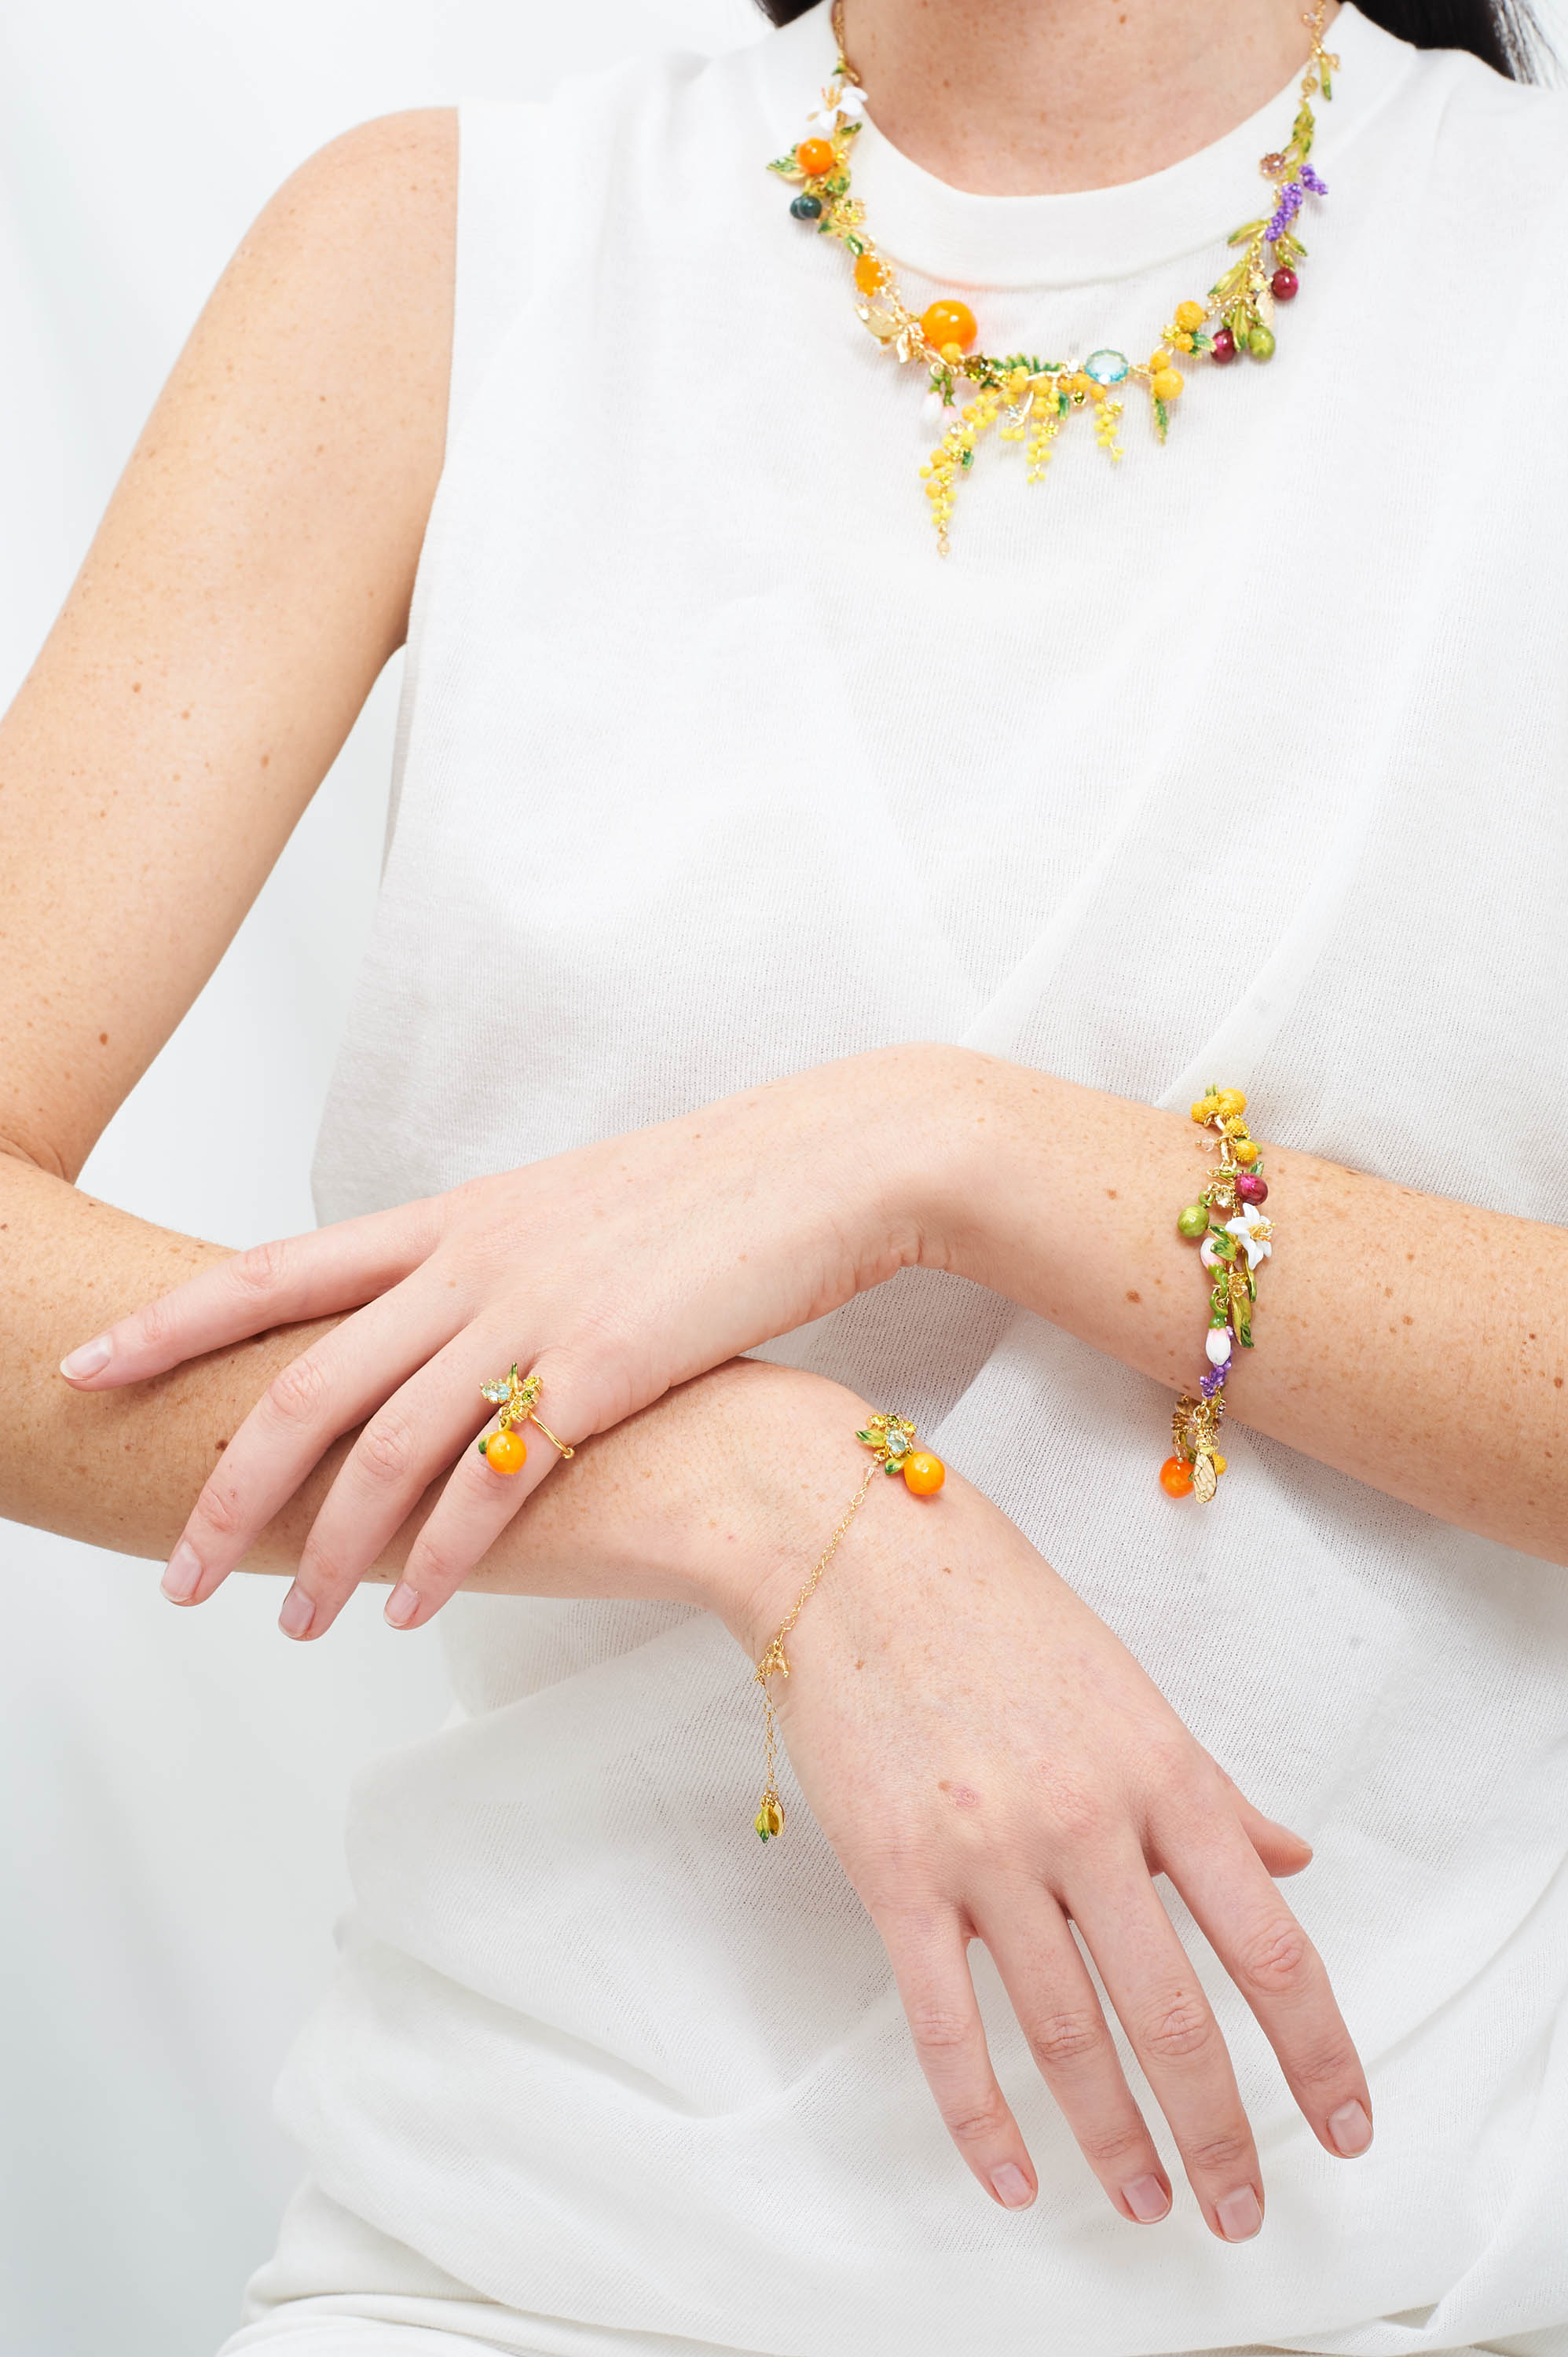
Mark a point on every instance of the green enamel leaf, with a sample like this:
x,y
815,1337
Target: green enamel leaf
x,y
1326,79
1247,232
1162,418
868,1437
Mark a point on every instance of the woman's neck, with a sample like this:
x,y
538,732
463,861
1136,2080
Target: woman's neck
x,y
1031,97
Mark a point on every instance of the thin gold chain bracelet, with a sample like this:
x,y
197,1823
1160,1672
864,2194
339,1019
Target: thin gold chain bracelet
x,y
891,1440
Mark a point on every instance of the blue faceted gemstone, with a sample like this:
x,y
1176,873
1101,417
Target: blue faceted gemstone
x,y
1106,366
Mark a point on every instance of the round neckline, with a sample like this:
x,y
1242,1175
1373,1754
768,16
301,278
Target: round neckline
x,y
1078,237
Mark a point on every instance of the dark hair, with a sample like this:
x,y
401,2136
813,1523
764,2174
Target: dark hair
x,y
1502,33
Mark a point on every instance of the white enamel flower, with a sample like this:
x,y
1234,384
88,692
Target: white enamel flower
x,y
839,100
1252,1233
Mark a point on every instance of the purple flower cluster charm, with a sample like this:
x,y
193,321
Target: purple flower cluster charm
x,y
1293,196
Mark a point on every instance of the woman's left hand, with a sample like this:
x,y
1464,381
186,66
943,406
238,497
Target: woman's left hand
x,y
613,1272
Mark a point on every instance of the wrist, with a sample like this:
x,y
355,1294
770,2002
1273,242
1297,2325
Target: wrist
x,y
767,1465
979,1138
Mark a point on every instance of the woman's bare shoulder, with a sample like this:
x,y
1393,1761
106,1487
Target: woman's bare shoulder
x,y
251,578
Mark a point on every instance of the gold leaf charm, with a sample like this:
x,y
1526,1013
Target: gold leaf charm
x,y
769,1820
1204,1480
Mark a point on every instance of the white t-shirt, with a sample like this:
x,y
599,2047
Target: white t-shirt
x,y
1245,760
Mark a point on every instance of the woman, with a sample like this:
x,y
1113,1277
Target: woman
x,y
794,944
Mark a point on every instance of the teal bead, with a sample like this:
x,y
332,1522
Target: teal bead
x,y
806,208
1106,366
1193,1223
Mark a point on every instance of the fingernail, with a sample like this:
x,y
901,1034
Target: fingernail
x,y
402,1605
87,1361
1239,2214
1147,2199
1011,2186
183,1577
1350,2128
298,1613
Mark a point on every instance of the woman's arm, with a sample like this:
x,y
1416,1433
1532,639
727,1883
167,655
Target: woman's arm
x,y
250,579
1050,1779
1418,1344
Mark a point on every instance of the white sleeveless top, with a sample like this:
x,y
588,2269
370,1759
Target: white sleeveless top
x,y
711,769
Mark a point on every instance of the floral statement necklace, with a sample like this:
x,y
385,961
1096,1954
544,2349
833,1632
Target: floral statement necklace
x,y
1029,400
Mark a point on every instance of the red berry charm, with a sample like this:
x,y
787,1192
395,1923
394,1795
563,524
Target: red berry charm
x,y
1285,286
1222,351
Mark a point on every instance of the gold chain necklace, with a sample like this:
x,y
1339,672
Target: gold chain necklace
x,y
1027,399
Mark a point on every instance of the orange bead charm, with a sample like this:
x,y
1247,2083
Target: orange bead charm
x,y
815,156
1176,1478
924,1473
948,323
506,1452
869,274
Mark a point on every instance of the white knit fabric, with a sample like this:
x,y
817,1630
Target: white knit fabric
x,y
1245,760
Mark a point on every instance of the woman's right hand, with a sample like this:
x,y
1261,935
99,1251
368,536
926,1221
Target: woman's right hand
x,y
990,1762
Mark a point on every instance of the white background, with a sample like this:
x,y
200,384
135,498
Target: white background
x,y
172,1784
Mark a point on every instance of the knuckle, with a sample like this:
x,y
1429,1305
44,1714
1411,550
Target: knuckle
x,y
1225,2153
979,2121
1059,2040
1177,2030
217,1511
1103,2147
1331,2062
324,1580
387,1450
1275,1961
435,1572
156,1323
1075,1809
938,2029
260,1268
298,1392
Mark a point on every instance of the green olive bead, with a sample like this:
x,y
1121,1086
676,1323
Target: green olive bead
x,y
1261,343
1193,1223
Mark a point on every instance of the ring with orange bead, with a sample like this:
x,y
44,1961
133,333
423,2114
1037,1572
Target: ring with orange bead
x,y
1026,399
512,1396
1233,1234
892,1442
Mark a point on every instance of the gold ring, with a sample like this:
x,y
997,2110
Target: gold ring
x,y
513,1397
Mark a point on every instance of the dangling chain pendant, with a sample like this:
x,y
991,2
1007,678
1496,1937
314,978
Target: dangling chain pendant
x,y
891,1440
1027,399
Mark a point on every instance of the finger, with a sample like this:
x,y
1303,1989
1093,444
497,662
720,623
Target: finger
x,y
324,1392
1281,1851
477,1502
926,1948
1060,2016
275,1284
1281,1977
1151,1982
